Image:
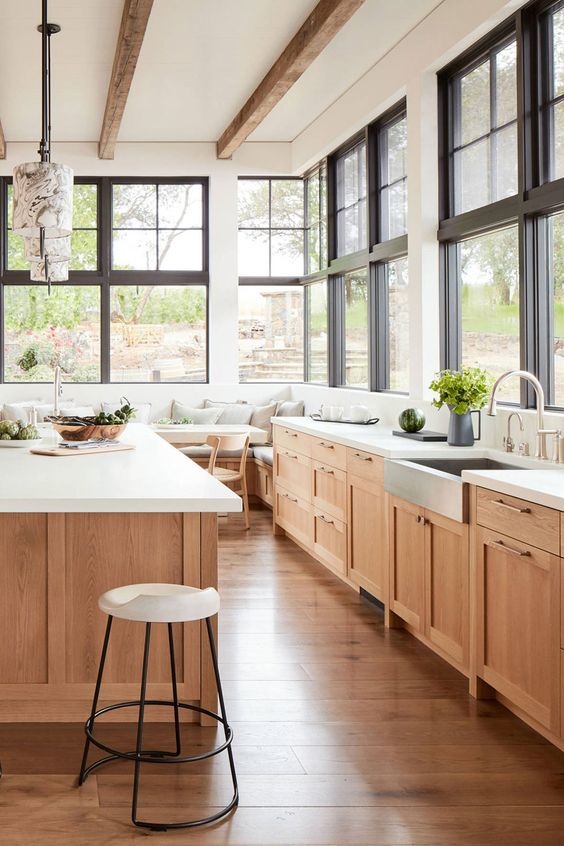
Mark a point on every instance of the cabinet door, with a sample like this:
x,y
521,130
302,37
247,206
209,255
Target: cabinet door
x,y
294,515
329,489
330,540
447,575
368,542
407,562
518,594
293,472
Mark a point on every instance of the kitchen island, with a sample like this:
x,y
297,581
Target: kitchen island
x,y
73,527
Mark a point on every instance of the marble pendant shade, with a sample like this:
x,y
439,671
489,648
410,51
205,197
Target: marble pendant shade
x,y
57,249
43,196
58,271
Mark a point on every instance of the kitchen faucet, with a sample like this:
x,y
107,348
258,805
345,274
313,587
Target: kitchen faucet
x,y
540,451
508,442
58,391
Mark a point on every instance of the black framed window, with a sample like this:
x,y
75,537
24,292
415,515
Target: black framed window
x,y
353,294
271,223
502,262
137,312
317,331
316,219
350,200
271,333
392,177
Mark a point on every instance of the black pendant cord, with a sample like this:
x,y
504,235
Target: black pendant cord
x,y
44,146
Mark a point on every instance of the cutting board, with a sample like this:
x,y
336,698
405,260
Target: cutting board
x,y
92,451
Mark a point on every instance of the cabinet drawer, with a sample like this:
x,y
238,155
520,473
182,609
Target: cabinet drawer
x,y
330,540
263,480
293,471
294,516
291,439
517,518
325,450
365,465
329,489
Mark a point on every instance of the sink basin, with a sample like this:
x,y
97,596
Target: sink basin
x,y
436,483
455,466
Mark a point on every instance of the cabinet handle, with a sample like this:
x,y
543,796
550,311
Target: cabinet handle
x,y
289,455
499,544
511,507
325,470
325,520
291,498
292,434
421,520
363,457
327,446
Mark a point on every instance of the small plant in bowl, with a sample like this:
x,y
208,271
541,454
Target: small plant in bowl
x,y
464,392
18,433
107,426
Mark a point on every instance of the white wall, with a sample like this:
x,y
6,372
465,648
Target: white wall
x,y
409,69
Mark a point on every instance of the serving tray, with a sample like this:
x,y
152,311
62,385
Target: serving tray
x,y
422,435
57,451
370,422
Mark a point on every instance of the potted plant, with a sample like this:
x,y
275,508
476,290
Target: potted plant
x,y
464,392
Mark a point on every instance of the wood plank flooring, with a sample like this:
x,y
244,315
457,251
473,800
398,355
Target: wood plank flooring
x,y
347,734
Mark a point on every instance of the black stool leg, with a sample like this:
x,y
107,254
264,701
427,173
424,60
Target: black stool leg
x,y
226,727
174,691
139,744
96,697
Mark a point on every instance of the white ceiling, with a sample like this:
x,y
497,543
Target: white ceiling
x,y
199,62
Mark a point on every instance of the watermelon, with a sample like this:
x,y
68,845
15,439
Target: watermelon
x,y
411,420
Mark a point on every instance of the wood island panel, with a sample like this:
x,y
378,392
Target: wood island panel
x,y
53,567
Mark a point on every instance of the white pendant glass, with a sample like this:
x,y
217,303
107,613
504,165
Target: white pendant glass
x,y
56,249
43,198
58,271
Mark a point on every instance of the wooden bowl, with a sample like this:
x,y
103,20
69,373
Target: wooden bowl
x,y
74,432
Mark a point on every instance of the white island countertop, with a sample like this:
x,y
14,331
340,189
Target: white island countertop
x,y
152,477
539,481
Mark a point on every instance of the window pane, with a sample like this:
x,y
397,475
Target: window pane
x,y
474,104
397,150
180,249
180,206
558,140
134,249
158,333
506,161
313,249
558,52
84,250
253,202
394,210
356,328
313,205
85,207
317,370
16,253
134,206
271,333
488,269
472,169
42,331
398,325
351,196
287,203
556,276
506,85
253,253
287,258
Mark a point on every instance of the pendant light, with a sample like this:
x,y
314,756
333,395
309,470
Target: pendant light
x,y
43,191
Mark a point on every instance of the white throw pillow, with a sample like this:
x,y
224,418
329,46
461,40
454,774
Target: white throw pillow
x,y
18,410
286,408
196,415
237,413
77,410
261,418
143,413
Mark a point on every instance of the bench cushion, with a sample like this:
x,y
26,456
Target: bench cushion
x,y
196,415
205,452
264,453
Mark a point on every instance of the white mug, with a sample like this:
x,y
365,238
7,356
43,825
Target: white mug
x,y
331,412
359,414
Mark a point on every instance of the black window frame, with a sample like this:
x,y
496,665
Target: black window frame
x,y
104,277
536,200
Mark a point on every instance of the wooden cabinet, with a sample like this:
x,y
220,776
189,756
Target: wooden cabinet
x,y
294,515
330,540
519,519
293,472
368,532
263,483
518,624
329,452
329,489
429,577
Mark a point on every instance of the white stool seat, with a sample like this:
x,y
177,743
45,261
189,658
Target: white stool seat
x,y
160,603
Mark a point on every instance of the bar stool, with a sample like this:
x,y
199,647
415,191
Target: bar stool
x,y
159,603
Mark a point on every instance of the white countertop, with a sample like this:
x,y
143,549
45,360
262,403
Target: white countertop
x,y
543,483
196,433
153,477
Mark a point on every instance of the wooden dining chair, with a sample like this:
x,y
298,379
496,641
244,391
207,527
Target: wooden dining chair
x,y
236,444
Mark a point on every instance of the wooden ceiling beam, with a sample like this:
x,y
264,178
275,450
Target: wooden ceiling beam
x,y
131,33
2,143
326,20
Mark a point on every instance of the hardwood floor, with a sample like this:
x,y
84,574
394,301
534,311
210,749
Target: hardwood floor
x,y
347,734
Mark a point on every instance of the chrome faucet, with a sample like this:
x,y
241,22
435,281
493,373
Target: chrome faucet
x,y
541,431
508,442
58,391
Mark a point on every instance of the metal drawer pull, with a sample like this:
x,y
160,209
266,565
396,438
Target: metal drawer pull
x,y
291,498
327,446
292,434
421,520
325,520
499,544
511,507
363,457
325,470
289,455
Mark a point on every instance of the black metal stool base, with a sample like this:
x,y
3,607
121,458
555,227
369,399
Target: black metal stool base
x,y
157,756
